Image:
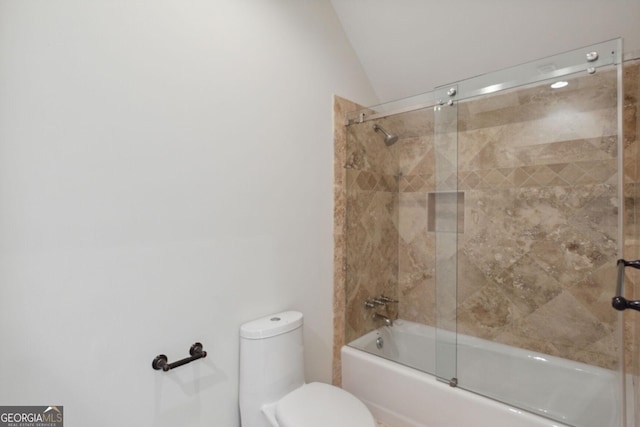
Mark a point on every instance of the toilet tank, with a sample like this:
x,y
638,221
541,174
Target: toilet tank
x,y
271,363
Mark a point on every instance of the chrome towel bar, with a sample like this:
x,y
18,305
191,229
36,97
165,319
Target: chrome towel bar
x,y
619,302
161,361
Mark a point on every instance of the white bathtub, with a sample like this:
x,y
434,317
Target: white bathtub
x,y
577,394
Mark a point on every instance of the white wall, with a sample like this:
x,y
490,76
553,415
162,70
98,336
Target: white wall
x,y
408,47
165,175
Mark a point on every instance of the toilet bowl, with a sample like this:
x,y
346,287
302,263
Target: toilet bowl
x,y
272,390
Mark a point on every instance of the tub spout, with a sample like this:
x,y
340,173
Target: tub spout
x,y
384,318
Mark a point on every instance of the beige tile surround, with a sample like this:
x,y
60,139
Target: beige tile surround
x,y
537,255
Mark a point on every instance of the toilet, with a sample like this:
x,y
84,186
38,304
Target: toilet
x,y
272,388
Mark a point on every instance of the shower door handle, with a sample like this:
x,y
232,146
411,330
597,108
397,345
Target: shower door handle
x,y
619,302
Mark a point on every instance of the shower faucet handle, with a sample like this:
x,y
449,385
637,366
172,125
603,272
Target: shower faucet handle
x,y
387,299
373,303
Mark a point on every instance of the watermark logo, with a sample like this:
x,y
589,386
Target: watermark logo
x,y
31,416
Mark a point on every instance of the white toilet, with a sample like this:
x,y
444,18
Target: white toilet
x,y
272,388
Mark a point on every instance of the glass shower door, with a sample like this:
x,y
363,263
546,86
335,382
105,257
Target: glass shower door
x,y
538,220
496,221
444,221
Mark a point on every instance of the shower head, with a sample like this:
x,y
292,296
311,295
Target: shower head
x,y
389,138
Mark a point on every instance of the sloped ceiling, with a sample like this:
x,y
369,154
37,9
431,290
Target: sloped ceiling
x,y
408,47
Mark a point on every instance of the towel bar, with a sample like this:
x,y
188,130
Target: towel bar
x,y
619,302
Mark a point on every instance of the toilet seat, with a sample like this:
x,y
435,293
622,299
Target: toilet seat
x,y
322,405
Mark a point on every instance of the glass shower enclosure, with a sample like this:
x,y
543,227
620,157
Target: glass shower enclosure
x,y
497,217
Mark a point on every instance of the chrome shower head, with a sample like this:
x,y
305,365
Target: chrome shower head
x,y
389,138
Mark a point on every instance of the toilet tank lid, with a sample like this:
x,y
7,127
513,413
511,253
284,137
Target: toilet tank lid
x,y
270,326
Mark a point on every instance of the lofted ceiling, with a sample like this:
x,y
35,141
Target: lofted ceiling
x,y
408,47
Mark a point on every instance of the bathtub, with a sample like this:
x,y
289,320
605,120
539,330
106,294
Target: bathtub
x,y
390,381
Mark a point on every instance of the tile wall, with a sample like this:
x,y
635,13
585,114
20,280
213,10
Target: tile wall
x,y
536,221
